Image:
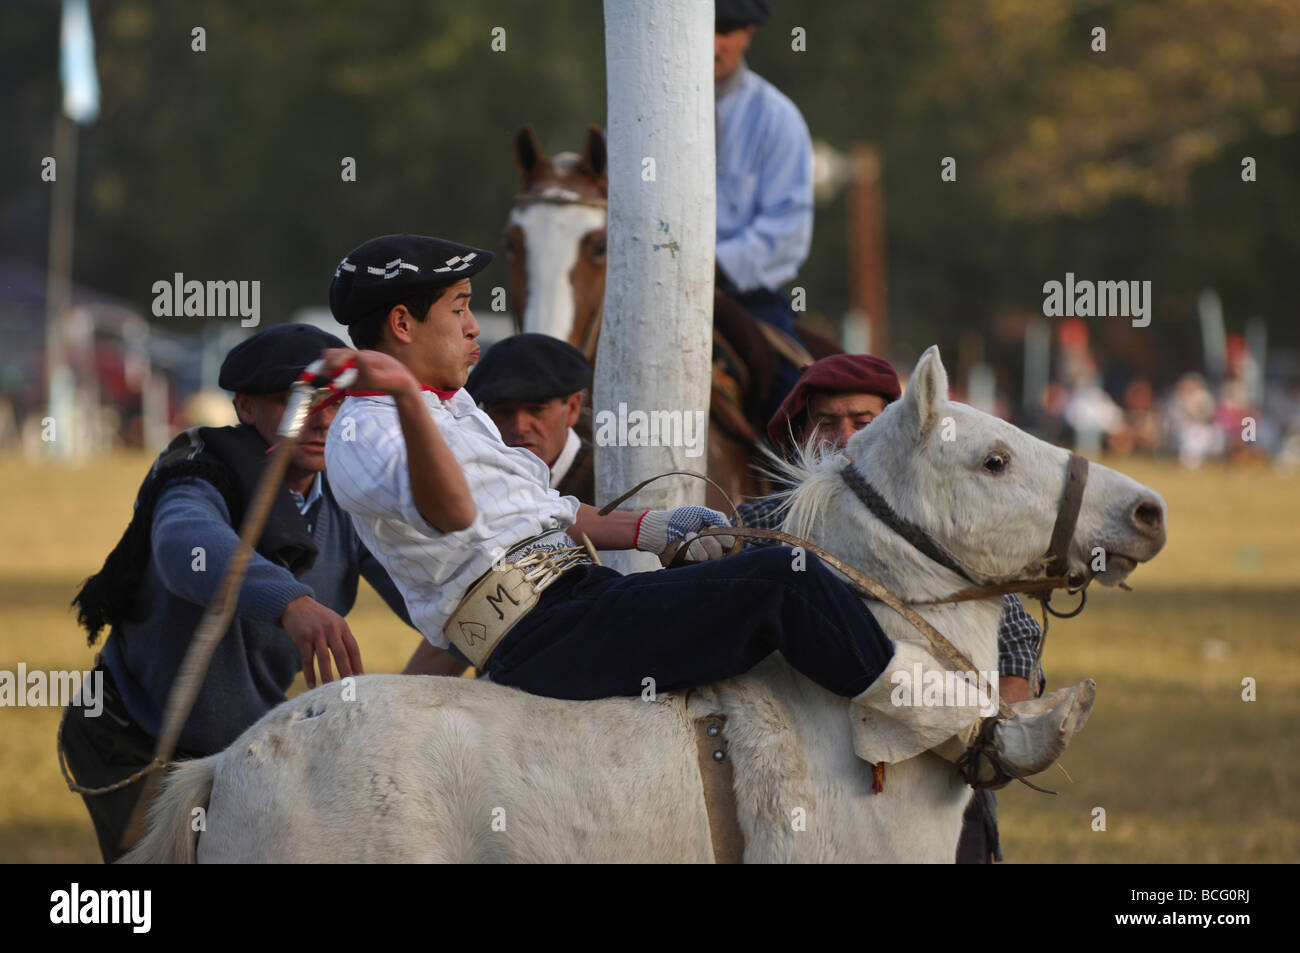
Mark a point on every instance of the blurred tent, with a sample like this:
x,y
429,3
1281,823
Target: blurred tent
x,y
131,376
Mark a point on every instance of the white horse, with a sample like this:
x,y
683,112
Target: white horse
x,y
444,769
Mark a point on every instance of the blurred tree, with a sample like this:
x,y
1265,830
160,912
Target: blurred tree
x,y
225,164
1058,128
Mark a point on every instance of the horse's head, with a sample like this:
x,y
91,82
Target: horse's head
x,y
986,492
555,239
990,493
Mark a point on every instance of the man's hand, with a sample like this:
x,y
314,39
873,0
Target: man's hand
x,y
375,370
438,484
660,529
1013,688
429,660
318,631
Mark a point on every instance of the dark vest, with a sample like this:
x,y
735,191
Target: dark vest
x,y
232,460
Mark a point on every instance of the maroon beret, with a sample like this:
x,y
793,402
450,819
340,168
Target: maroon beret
x,y
838,374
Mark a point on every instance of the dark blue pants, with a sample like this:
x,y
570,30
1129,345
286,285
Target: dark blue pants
x,y
597,633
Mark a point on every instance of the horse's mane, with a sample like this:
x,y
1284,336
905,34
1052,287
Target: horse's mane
x,y
807,485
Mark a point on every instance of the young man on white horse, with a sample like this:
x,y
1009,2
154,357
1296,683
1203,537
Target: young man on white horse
x,y
485,554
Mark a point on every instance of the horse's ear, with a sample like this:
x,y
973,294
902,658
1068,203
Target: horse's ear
x,y
593,151
528,154
927,390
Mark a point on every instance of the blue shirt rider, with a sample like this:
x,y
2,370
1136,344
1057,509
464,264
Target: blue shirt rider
x,y
764,185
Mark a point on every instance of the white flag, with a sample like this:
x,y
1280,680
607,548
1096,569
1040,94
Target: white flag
x,y
77,64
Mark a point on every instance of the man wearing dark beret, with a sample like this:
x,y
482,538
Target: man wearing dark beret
x,y
532,385
156,584
490,558
833,399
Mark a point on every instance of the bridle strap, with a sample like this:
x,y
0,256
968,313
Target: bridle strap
x,y
921,541
591,335
947,653
1067,518
524,198
1058,548
1036,588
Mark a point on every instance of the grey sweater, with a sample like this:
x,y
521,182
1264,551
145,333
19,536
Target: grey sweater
x,y
255,662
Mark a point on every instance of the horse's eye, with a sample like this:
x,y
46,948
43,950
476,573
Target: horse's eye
x,y
511,243
997,461
598,249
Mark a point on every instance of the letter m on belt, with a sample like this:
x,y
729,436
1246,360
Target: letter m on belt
x,y
496,598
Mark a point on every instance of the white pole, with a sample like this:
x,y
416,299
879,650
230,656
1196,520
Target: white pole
x,y
1038,367
656,340
61,382
1213,336
1257,366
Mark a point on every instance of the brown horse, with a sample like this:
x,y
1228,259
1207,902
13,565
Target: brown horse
x,y
555,246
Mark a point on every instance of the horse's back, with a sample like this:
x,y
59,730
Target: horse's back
x,y
409,768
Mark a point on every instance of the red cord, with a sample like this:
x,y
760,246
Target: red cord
x,y
339,395
637,534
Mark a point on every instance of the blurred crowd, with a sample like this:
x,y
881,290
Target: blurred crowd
x,y
1237,419
1193,420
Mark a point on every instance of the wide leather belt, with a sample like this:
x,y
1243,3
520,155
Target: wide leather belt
x,y
508,591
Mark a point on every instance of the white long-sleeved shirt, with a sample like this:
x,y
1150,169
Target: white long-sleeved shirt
x,y
365,456
765,184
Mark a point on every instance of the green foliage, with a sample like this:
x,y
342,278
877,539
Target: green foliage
x,y
226,163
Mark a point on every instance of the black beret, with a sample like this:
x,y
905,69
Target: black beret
x,y
271,360
385,270
742,12
528,367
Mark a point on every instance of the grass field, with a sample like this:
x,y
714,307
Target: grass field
x,y
1185,770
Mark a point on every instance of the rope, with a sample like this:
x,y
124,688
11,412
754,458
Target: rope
x,y
76,788
944,650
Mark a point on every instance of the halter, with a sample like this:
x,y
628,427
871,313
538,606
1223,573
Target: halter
x,y
558,195
1056,558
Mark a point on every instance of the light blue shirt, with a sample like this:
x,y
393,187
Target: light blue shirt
x,y
304,502
765,183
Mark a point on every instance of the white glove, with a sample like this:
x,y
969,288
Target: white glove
x,y
657,530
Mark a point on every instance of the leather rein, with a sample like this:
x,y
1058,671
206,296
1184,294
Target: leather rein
x,y
1056,557
1055,560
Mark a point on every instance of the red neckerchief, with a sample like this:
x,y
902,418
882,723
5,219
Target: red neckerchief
x,y
338,395
443,394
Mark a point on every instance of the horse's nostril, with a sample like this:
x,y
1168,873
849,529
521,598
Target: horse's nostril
x,y
1149,515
